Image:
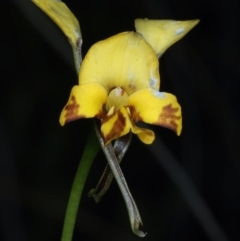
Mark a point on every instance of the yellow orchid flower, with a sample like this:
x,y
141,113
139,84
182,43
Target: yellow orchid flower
x,y
119,82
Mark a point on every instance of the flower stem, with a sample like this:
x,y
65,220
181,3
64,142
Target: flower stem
x,y
90,151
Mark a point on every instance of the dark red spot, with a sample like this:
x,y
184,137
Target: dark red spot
x,y
72,110
102,113
118,127
168,117
135,117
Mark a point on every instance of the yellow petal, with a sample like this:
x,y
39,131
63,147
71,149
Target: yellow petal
x,y
85,101
157,108
116,125
145,135
62,16
161,34
125,60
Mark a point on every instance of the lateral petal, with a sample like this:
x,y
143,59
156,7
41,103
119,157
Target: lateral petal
x,y
157,108
85,101
161,34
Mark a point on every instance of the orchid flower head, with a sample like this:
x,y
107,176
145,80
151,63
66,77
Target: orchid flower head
x,y
119,82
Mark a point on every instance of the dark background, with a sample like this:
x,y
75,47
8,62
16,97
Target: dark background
x,y
186,188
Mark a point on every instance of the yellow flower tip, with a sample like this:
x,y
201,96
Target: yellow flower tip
x,y
179,128
161,34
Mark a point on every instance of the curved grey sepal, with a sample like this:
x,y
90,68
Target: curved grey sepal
x,y
121,146
134,215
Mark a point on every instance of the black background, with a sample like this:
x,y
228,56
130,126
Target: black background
x,y
186,188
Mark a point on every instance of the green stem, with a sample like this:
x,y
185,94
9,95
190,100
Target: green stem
x,y
91,149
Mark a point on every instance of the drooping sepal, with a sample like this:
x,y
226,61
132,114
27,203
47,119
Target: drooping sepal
x,y
121,146
134,215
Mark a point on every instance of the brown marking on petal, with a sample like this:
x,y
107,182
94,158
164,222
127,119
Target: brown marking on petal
x,y
168,118
135,117
102,113
104,118
72,110
132,87
118,127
